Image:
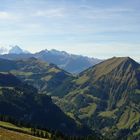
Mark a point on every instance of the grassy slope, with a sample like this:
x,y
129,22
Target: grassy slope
x,y
6,134
114,78
14,127
12,135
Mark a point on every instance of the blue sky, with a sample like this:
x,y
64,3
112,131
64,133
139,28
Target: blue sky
x,y
97,28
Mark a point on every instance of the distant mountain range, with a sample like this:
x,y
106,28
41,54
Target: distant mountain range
x,y
69,62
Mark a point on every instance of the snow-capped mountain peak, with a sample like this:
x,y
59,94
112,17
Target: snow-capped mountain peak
x,y
17,50
12,50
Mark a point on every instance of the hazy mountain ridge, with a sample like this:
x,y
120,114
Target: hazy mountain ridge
x,y
69,62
